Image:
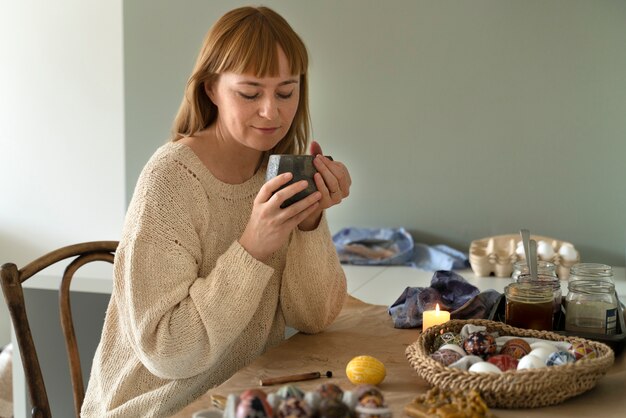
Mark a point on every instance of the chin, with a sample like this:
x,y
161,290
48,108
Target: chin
x,y
266,145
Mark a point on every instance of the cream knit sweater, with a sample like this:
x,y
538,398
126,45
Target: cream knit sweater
x,y
189,305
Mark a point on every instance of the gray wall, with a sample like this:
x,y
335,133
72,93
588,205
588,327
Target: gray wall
x,y
43,312
457,119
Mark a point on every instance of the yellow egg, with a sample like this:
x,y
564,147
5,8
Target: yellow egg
x,y
365,370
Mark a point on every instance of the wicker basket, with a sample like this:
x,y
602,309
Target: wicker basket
x,y
530,388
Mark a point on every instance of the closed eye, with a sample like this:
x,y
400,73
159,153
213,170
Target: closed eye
x,y
285,95
249,96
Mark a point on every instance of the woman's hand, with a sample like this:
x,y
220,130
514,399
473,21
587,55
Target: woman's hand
x,y
270,225
332,181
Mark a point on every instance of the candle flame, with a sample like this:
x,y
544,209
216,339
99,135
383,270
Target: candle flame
x,y
437,308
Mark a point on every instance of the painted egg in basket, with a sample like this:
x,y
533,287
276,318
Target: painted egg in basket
x,y
446,356
253,406
516,348
480,343
582,350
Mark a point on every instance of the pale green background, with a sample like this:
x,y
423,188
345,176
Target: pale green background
x,y
458,119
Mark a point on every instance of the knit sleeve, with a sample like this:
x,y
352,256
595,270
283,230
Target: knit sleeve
x,y
313,286
177,323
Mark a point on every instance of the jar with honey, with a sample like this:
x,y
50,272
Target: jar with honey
x,y
549,281
529,305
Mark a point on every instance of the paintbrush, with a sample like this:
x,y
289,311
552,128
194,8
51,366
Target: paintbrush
x,y
293,378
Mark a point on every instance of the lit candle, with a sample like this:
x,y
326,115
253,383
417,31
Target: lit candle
x,y
435,317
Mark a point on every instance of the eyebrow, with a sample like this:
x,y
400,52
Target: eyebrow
x,y
257,84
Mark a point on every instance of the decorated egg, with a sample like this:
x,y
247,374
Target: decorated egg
x,y
368,390
559,358
530,362
293,408
453,347
447,338
582,350
290,391
445,356
330,391
333,408
504,362
480,343
484,367
365,370
250,393
371,401
253,406
516,348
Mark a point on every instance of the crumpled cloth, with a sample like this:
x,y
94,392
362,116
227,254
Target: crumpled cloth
x,y
438,257
448,289
394,246
374,246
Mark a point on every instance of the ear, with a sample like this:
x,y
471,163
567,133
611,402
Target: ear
x,y
208,90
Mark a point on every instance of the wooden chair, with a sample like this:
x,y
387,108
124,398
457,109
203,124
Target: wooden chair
x,y
12,279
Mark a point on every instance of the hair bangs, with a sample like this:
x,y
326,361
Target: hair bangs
x,y
249,43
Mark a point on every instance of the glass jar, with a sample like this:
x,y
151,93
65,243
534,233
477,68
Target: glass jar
x,y
591,307
591,271
545,268
529,306
551,282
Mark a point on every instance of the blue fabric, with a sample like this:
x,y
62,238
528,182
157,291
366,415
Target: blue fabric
x,y
363,246
438,257
448,289
394,246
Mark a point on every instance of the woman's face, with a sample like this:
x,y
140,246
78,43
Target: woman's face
x,y
256,112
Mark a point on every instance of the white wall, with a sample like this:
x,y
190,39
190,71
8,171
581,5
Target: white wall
x,y
61,127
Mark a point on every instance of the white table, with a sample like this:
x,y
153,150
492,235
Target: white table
x,y
383,285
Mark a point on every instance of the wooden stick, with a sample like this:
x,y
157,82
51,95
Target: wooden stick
x,y
293,378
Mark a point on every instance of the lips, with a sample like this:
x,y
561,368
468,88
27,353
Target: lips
x,y
267,130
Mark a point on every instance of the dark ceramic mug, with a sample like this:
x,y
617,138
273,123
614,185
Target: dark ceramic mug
x,y
302,168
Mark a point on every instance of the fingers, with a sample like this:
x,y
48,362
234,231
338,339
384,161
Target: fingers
x,y
300,210
316,148
288,192
345,181
336,178
270,187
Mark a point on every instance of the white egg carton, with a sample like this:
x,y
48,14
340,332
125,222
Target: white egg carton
x,y
496,255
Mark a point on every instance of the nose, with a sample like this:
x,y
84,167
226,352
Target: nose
x,y
268,108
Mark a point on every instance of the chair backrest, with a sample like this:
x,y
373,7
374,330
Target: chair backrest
x,y
12,279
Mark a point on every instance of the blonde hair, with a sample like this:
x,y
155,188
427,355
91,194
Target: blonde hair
x,y
245,40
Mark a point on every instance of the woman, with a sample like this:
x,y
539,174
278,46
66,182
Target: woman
x,y
210,269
